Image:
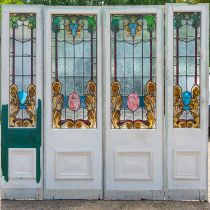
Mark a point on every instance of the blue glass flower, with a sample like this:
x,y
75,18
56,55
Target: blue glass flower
x,y
133,27
73,27
22,95
186,98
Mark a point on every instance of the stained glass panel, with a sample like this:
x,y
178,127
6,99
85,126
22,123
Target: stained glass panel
x,y
22,108
133,69
186,70
74,63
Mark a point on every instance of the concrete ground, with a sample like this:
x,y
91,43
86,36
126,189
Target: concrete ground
x,y
105,205
102,205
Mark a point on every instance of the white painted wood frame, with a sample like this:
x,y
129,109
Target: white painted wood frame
x,y
144,146
22,177
81,145
187,148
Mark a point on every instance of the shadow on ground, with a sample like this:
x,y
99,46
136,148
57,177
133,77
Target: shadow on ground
x,y
102,205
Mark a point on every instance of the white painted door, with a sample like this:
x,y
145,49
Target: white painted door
x,y
73,103
21,94
187,28
133,62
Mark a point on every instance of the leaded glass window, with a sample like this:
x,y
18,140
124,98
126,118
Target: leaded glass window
x,y
133,69
186,70
74,63
22,107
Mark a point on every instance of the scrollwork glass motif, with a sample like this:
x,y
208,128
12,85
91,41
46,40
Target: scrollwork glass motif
x,y
74,64
186,92
133,64
22,94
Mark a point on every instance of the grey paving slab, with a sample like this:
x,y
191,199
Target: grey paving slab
x,y
102,205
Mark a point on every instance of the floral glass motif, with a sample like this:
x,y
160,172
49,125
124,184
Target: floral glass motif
x,y
22,105
186,92
133,64
74,63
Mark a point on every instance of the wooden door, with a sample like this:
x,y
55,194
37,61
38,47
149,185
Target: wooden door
x,y
134,102
187,29
21,93
73,103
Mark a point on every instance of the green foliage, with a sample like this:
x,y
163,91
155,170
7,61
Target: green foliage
x,y
68,2
87,2
110,2
100,2
11,1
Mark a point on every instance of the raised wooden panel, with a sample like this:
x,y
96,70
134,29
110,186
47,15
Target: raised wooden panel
x,y
186,164
133,165
22,163
74,165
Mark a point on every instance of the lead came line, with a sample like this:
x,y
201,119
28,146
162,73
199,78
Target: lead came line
x,y
64,39
92,56
151,55
133,74
56,57
177,56
115,56
13,58
32,43
142,72
74,70
196,55
22,59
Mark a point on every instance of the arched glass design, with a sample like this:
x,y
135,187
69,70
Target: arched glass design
x,y
74,62
186,70
133,69
22,96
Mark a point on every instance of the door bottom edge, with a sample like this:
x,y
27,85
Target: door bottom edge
x,y
186,194
21,194
134,195
172,194
94,194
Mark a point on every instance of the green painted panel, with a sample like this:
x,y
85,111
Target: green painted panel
x,y
20,138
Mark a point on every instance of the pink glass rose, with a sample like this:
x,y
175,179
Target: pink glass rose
x,y
74,101
133,101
